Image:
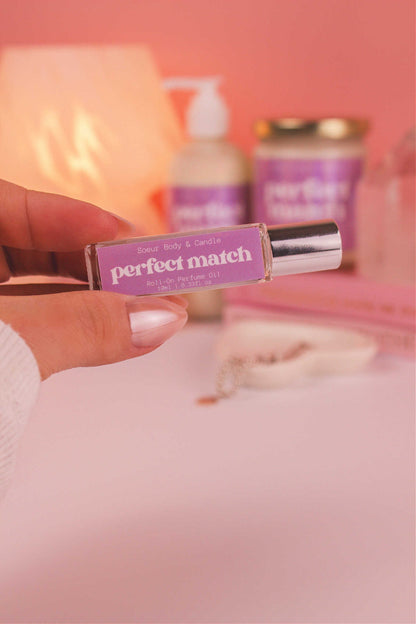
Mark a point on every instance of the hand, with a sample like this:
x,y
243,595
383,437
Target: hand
x,y
45,234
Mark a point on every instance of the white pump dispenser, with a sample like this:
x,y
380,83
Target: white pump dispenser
x,y
208,181
207,116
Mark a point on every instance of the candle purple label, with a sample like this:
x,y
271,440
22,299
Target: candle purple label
x,y
201,207
296,190
182,263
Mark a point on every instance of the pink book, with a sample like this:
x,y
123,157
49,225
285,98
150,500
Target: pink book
x,y
335,294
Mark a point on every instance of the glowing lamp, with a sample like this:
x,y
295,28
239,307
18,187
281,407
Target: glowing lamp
x,y
91,122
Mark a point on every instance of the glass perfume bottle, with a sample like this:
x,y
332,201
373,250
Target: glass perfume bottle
x,y
215,258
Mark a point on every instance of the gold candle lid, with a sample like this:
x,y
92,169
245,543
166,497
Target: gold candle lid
x,y
325,127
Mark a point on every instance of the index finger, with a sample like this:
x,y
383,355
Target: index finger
x,y
48,222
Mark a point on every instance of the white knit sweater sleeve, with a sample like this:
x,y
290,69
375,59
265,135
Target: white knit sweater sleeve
x,y
19,385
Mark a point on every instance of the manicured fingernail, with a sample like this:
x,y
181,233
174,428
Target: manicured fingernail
x,y
154,320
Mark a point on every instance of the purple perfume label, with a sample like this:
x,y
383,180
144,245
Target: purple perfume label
x,y
182,263
201,207
295,190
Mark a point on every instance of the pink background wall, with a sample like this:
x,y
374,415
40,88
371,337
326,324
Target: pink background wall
x,y
297,57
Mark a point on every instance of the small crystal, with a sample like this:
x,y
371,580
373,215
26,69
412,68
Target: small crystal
x,y
386,216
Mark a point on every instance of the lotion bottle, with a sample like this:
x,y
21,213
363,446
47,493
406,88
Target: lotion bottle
x,y
208,181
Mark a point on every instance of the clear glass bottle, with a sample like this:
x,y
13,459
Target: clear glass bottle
x,y
208,259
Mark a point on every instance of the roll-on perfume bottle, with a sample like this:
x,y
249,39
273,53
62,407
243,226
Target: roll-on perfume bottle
x,y
217,258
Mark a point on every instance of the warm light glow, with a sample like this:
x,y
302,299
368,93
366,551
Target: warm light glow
x,y
92,122
67,159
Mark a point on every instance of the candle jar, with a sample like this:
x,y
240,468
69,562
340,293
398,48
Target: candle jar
x,y
307,170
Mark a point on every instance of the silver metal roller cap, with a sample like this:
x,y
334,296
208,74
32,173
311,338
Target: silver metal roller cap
x,y
305,247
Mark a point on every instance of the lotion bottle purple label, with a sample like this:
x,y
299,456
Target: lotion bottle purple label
x,y
216,258
194,207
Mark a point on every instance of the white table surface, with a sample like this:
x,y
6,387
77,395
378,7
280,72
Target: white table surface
x,y
131,503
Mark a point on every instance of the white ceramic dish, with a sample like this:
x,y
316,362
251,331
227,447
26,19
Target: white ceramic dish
x,y
278,353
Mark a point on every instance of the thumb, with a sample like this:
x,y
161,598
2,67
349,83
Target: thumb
x,y
89,328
